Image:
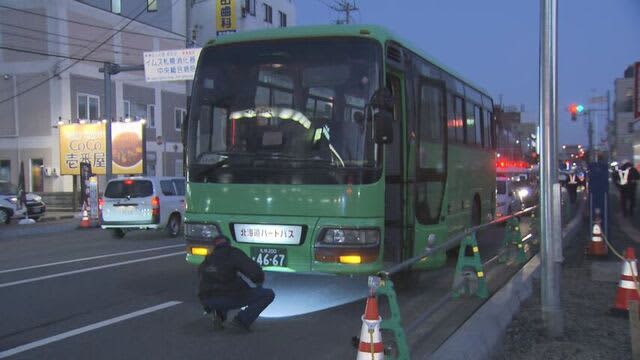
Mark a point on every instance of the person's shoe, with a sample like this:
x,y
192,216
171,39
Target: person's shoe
x,y
237,325
217,322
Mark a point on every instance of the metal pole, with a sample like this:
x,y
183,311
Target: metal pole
x,y
550,287
107,115
592,151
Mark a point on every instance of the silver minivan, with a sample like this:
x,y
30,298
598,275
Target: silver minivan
x,y
143,203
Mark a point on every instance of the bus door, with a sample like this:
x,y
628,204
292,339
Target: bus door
x,y
430,162
395,175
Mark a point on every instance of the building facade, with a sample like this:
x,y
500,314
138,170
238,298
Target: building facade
x,y
49,73
623,117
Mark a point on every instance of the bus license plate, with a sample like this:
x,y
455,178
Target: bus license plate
x,y
269,257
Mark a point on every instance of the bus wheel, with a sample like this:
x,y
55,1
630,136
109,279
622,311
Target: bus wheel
x,y
476,212
118,233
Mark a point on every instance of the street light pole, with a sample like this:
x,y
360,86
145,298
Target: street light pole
x,y
551,249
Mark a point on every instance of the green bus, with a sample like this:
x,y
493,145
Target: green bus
x,y
333,149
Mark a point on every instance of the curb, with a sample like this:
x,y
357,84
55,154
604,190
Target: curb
x,y
480,336
30,230
55,218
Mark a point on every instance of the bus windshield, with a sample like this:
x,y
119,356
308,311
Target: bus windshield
x,y
298,108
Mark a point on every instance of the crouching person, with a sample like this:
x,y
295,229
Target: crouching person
x,y
221,288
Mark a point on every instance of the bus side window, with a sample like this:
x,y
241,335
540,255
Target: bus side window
x,y
451,119
459,119
470,124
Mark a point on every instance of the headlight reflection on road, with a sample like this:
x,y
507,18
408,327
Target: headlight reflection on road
x,y
302,294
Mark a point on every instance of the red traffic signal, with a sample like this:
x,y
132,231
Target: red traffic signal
x,y
574,110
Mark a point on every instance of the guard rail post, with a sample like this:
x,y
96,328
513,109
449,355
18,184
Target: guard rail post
x,y
472,262
384,287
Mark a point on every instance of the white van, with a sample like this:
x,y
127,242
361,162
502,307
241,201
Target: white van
x,y
507,202
143,203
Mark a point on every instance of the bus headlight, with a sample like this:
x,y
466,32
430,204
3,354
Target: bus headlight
x,y
523,193
200,231
349,237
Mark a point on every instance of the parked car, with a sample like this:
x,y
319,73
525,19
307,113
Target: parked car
x,y
507,201
145,203
9,204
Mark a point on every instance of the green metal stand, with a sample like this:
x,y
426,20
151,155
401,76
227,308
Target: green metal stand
x,y
512,242
393,324
473,262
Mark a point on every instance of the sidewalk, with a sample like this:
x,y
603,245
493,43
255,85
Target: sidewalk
x,y
588,291
52,222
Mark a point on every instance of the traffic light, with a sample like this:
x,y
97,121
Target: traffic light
x,y
574,110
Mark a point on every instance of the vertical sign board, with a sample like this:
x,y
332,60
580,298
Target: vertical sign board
x,y
127,148
93,197
170,65
636,91
82,143
85,174
225,16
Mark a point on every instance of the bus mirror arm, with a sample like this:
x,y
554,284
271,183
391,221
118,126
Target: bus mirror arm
x,y
382,99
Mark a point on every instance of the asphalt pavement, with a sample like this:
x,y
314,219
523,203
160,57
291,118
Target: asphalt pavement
x,y
83,294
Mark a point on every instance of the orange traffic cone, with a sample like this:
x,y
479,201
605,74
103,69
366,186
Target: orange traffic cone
x,y
627,289
371,347
85,222
596,246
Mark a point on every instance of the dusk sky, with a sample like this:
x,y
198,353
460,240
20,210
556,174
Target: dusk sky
x,y
495,43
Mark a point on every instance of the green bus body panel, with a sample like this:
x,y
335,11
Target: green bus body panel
x,y
314,206
284,200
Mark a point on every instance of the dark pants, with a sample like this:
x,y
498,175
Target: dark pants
x,y
255,299
573,193
628,200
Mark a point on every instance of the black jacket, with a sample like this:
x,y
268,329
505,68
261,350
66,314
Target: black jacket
x,y
632,178
218,273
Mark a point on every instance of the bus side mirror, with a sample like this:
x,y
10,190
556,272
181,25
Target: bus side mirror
x,y
383,125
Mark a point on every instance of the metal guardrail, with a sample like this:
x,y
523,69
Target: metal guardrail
x,y
381,284
455,240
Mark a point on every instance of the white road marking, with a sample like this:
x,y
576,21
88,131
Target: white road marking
x,y
84,329
90,258
25,281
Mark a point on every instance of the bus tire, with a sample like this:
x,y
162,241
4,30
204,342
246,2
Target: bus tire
x,y
476,212
117,233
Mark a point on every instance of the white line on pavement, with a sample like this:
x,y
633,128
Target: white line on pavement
x,y
84,329
90,258
25,281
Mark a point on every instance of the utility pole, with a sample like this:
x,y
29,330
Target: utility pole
x,y
551,249
344,6
109,69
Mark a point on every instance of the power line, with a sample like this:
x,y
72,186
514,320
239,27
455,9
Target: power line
x,y
60,43
92,41
75,62
66,36
92,25
37,52
342,6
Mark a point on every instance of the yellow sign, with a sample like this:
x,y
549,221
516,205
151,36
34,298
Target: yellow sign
x,y
127,148
82,143
225,15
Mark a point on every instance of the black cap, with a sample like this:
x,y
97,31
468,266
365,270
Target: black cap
x,y
220,240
